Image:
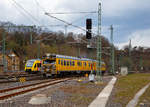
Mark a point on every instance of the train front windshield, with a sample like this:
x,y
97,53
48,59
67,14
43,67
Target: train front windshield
x,y
30,63
49,61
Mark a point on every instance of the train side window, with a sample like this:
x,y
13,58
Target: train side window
x,y
64,62
61,62
84,63
70,63
67,63
58,61
89,64
78,63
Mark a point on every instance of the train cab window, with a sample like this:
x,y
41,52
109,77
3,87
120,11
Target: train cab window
x,y
67,63
30,63
48,61
80,63
39,64
62,62
35,66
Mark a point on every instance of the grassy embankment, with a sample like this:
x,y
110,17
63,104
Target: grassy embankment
x,y
126,87
145,98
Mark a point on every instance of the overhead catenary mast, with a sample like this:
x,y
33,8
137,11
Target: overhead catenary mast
x,y
99,45
113,52
4,53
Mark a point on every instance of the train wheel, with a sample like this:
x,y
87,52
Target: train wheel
x,y
103,72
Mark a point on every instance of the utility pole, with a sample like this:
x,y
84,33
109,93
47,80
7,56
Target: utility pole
x,y
66,30
31,39
99,47
4,59
130,54
130,48
38,53
113,52
78,50
141,63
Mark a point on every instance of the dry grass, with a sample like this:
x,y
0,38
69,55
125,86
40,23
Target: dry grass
x,y
128,86
81,100
81,88
83,93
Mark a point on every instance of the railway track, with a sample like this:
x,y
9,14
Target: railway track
x,y
12,92
16,78
29,77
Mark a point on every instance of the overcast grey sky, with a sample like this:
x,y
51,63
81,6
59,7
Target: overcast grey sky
x,y
129,17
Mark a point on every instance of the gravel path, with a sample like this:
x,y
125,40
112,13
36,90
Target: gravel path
x,y
111,102
103,97
67,94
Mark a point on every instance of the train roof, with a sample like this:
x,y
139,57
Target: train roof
x,y
70,57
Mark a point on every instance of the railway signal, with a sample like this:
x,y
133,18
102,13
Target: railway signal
x,y
88,34
88,23
88,28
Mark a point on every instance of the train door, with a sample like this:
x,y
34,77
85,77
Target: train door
x,y
83,66
73,65
80,65
35,68
94,66
62,65
57,64
68,65
65,65
89,66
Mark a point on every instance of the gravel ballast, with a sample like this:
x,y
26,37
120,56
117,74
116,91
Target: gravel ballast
x,y
71,93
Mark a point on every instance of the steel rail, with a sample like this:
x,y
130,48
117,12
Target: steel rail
x,y
31,89
24,86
